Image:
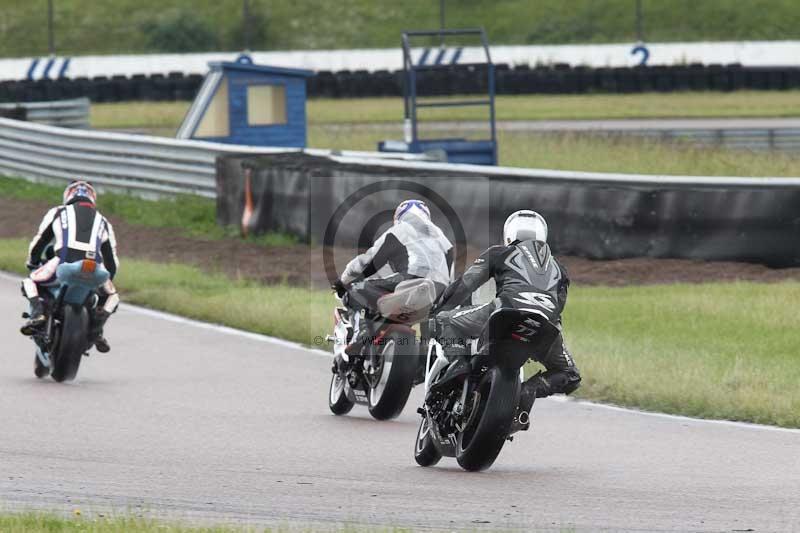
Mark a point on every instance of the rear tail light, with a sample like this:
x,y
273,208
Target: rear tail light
x,y
88,266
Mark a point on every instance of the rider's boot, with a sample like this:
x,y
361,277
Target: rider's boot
x,y
458,355
535,387
96,334
36,318
360,338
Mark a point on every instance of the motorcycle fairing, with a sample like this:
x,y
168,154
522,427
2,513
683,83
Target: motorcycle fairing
x,y
80,279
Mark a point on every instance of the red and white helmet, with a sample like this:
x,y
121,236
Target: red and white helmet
x,y
417,206
79,190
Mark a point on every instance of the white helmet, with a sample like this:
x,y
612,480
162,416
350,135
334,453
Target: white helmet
x,y
524,225
418,206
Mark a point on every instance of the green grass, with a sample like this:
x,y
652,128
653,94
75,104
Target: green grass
x,y
292,313
596,153
567,151
286,24
551,107
722,350
49,523
31,522
193,215
167,116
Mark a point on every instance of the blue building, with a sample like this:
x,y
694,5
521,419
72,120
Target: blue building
x,y
243,103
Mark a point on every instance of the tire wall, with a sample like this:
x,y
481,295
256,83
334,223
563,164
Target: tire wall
x,y
300,194
556,79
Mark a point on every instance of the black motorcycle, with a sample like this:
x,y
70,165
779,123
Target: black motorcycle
x,y
472,415
64,339
383,373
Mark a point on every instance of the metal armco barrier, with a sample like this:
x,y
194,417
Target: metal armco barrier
x,y
594,215
137,163
73,113
782,139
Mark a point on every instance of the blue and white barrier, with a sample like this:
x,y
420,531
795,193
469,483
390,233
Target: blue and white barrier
x,y
747,53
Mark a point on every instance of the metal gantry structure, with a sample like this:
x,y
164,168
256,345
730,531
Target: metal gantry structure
x,y
484,152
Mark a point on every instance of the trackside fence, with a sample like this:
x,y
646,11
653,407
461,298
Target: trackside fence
x,y
595,215
135,163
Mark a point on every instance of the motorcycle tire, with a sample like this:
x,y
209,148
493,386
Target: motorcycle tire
x,y
497,395
398,357
425,452
73,343
39,369
338,401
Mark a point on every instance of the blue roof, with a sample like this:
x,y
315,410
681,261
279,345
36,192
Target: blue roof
x,y
263,69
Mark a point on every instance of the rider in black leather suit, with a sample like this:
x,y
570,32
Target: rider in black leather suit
x,y
523,269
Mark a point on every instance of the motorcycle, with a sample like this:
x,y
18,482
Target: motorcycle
x,y
472,415
64,339
382,375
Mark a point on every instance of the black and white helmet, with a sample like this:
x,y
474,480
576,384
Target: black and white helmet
x,y
524,225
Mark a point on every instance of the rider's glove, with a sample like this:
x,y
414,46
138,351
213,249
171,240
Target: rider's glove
x,y
32,266
339,287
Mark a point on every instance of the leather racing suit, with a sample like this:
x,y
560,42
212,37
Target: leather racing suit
x,y
520,270
414,247
76,231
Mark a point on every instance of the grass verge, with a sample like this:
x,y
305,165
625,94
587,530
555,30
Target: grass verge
x,y
593,153
726,350
165,115
35,522
50,523
332,125
193,215
284,311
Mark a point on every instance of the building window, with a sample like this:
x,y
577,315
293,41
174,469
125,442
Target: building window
x,y
266,105
215,121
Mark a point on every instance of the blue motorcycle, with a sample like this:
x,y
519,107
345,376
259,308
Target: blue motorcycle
x,y
65,338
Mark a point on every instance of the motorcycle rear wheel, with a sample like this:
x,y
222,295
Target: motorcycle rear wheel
x,y
398,357
73,342
496,400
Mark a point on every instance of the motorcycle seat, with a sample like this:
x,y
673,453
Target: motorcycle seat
x,y
410,301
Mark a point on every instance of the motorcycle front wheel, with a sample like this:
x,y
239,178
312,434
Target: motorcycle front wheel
x,y
40,370
425,452
338,401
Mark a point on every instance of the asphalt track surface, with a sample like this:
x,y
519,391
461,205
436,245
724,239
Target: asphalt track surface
x,y
198,423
